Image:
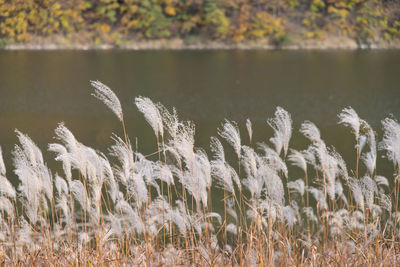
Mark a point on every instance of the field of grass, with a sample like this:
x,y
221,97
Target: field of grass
x,y
124,208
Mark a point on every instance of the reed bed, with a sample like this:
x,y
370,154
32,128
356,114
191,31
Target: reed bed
x,y
124,208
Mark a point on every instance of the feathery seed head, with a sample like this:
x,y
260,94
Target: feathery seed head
x,y
349,117
282,126
151,114
108,97
249,129
230,132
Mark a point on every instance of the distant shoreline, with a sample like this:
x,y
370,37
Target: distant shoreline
x,y
331,43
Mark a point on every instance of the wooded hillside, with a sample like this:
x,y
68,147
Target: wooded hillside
x,y
113,21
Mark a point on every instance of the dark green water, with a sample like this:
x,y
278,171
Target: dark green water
x,y
38,89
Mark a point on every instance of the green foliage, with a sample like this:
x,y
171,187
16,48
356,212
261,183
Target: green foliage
x,y
216,19
231,20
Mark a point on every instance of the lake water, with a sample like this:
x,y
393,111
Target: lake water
x,y
39,89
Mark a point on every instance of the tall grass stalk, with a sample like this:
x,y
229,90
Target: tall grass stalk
x,y
124,208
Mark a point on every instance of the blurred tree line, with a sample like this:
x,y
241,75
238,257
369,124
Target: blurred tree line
x,y
230,20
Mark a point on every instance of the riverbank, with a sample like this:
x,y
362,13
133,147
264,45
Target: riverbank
x,y
329,43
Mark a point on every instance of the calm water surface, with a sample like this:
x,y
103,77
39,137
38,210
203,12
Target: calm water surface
x,y
39,89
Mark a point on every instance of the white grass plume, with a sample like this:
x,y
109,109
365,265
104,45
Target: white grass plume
x,y
381,180
282,126
273,160
249,129
6,206
391,140
249,161
30,149
163,172
309,212
221,172
61,186
64,157
124,154
76,155
369,189
369,158
319,197
217,149
297,186
2,165
349,117
232,228
170,120
230,132
297,159
310,131
108,97
290,215
151,114
355,187
6,188
80,194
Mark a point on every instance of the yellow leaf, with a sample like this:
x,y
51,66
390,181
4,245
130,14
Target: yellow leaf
x,y
170,10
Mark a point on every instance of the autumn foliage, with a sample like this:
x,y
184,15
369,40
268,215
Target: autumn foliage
x,y
112,21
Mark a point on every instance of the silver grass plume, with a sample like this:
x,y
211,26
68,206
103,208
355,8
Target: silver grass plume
x,y
144,168
369,189
64,157
254,185
310,131
249,129
356,189
163,172
370,157
61,186
170,120
6,188
179,219
309,212
249,161
29,148
297,186
108,97
282,126
339,192
230,203
131,216
113,187
35,178
221,172
217,149
273,160
230,132
151,114
297,158
6,206
80,194
184,142
319,197
381,180
204,166
391,140
232,228
385,202
290,215
2,165
273,185
124,154
136,183
75,156
349,117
